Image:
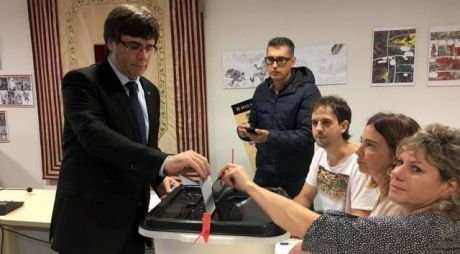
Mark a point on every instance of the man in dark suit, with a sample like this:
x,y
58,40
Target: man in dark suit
x,y
110,147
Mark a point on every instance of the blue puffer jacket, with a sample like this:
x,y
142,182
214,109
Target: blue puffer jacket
x,y
287,115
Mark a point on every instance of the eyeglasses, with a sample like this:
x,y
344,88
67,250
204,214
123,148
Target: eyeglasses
x,y
135,47
279,60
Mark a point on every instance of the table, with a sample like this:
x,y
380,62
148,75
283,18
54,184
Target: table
x,y
35,213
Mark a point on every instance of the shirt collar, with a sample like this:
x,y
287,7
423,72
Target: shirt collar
x,y
123,79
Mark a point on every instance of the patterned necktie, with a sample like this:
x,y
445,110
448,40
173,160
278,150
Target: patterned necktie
x,y
133,88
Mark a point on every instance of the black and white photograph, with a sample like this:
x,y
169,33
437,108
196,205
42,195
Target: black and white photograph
x,y
16,90
4,135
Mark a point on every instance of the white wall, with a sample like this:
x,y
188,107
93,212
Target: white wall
x,y
20,160
249,24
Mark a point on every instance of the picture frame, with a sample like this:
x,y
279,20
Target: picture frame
x,y
4,133
16,90
393,57
443,56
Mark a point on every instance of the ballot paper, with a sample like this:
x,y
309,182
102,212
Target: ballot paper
x,y
206,191
154,200
187,181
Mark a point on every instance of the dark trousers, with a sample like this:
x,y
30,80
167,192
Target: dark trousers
x,y
135,244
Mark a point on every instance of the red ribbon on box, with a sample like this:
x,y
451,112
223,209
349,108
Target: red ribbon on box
x,y
205,228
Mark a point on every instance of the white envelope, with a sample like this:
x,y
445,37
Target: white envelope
x,y
206,191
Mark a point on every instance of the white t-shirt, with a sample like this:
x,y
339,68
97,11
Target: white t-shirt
x,y
342,187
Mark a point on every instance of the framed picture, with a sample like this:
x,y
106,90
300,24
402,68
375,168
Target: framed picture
x,y
393,57
444,56
4,134
16,90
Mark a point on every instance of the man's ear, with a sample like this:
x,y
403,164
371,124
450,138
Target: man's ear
x,y
110,44
344,126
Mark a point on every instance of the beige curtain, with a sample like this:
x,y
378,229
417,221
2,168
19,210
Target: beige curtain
x,y
181,84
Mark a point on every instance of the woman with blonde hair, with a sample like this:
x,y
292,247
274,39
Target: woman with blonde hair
x,y
425,182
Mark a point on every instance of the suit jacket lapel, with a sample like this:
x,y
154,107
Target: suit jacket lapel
x,y
115,89
150,105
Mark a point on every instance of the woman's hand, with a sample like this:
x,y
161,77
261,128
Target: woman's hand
x,y
235,176
297,249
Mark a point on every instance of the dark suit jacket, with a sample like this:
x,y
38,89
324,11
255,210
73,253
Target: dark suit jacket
x,y
103,186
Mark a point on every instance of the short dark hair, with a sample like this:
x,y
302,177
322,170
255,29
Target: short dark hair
x,y
282,41
340,108
133,21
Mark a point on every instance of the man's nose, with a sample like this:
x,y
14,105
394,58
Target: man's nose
x,y
319,127
143,53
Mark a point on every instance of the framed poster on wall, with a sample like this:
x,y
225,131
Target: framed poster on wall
x,y
4,134
444,56
393,57
16,90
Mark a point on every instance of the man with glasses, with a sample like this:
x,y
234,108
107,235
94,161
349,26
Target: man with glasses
x,y
280,118
110,144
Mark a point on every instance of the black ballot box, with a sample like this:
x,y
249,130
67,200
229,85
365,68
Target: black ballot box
x,y
235,214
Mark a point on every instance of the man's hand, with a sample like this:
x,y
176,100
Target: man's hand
x,y
186,162
260,137
167,186
235,176
242,132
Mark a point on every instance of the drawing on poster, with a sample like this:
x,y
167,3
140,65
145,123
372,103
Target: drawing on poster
x,y
16,90
247,69
327,62
244,69
444,56
393,57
